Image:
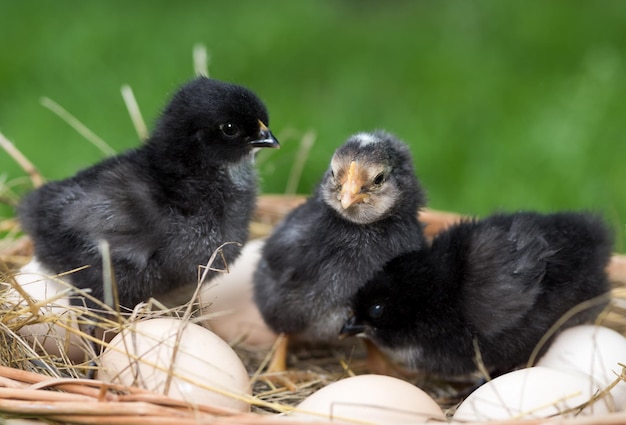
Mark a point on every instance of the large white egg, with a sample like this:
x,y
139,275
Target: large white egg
x,y
536,392
180,359
594,350
228,307
373,399
56,330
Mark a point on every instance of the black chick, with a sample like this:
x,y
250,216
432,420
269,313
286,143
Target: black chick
x,y
362,214
163,207
500,282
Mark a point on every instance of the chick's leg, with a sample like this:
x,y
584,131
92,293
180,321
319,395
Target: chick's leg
x,y
379,363
277,373
278,362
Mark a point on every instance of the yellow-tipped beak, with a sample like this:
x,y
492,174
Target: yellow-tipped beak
x,y
265,139
351,188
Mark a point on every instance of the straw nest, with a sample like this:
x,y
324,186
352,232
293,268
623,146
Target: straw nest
x,y
50,388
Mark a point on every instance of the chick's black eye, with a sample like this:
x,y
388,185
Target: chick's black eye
x,y
376,311
379,179
229,129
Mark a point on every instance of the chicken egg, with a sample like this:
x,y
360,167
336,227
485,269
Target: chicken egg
x,y
372,399
228,305
594,350
536,392
179,359
56,330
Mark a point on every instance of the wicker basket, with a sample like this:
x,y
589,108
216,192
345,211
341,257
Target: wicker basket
x,y
28,391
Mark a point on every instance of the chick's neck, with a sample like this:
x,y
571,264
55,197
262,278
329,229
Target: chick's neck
x,y
190,182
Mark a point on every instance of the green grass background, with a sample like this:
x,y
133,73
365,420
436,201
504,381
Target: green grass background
x,y
506,104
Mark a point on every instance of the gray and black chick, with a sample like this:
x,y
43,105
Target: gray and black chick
x,y
362,214
163,207
497,285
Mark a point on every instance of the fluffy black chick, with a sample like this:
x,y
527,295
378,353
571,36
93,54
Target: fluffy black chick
x,y
163,207
362,214
499,283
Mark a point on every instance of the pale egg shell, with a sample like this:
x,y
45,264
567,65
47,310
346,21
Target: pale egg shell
x,y
594,350
55,339
536,392
373,399
228,306
204,369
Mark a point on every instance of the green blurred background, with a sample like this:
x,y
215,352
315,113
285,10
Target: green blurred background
x,y
506,104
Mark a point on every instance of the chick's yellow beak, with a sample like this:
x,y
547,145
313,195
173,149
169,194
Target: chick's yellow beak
x,y
351,187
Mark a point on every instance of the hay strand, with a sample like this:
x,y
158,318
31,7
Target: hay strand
x,y
78,126
36,178
133,111
306,143
200,60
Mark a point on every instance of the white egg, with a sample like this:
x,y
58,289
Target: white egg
x,y
180,359
56,332
373,399
594,350
228,305
536,392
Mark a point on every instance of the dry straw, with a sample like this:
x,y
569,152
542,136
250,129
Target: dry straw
x,y
39,385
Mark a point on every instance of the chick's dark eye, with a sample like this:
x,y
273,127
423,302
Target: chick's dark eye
x,y
229,129
379,179
376,311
